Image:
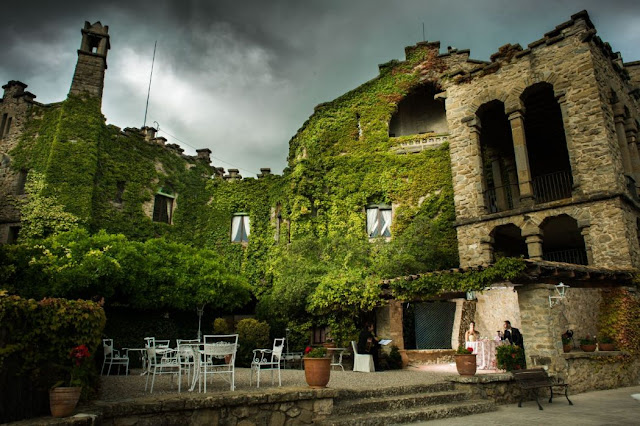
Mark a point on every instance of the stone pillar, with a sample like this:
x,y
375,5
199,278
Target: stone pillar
x,y
533,238
476,163
501,198
541,328
389,320
486,247
585,228
631,134
512,173
618,117
516,120
562,102
204,154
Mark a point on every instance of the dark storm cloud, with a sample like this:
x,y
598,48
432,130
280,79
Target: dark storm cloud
x,y
241,77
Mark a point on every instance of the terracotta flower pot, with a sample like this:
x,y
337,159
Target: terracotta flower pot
x,y
567,347
466,364
588,348
607,346
63,400
317,371
405,358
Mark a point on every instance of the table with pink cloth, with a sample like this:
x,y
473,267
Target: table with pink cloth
x,y
485,350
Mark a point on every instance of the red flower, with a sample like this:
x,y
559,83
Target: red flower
x,y
79,353
470,349
513,356
307,350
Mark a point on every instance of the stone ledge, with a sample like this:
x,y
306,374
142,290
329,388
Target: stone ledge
x,y
596,354
483,378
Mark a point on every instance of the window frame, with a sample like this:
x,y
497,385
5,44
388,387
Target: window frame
x,y
170,206
244,228
379,208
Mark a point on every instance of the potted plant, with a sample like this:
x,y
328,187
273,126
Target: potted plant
x,y
63,399
465,361
588,343
606,343
317,367
567,341
510,357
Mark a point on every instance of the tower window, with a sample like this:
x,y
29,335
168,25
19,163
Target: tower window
x,y
163,207
378,221
240,228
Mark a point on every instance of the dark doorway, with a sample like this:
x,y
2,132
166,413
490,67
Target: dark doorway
x,y
434,325
419,113
508,242
563,241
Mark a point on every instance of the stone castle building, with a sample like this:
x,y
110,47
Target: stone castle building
x,y
544,164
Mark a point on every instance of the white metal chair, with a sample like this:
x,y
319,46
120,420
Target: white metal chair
x,y
219,357
267,359
112,356
188,355
168,363
362,362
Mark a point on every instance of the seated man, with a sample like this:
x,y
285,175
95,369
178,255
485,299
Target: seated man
x,y
368,343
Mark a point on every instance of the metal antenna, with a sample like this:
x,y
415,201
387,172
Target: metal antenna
x,y
423,37
149,90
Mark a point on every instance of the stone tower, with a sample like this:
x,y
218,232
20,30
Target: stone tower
x,y
92,60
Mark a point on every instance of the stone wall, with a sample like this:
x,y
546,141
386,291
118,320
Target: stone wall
x,y
605,224
589,371
579,312
389,320
89,74
493,308
281,407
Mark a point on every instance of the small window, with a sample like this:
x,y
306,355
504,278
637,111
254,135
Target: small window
x,y
240,228
378,221
119,191
14,231
22,181
2,124
163,208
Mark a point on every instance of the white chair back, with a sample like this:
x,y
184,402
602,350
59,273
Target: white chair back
x,y
355,347
278,346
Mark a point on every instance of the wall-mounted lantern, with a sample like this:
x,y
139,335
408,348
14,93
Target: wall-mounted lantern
x,y
560,294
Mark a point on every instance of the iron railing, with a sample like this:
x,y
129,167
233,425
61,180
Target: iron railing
x,y
553,186
574,256
500,198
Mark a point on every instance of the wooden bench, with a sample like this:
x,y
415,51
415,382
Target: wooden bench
x,y
537,378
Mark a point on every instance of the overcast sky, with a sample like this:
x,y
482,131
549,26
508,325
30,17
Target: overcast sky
x,y
240,77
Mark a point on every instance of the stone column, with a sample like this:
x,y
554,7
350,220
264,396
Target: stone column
x,y
389,320
533,238
618,117
562,101
541,328
516,120
501,198
476,164
631,134
585,228
486,247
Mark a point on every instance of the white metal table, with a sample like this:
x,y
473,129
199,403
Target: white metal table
x,y
336,357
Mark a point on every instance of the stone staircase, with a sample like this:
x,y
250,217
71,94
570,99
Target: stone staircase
x,y
403,405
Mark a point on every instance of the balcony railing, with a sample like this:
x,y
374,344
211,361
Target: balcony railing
x,y
554,186
501,198
574,256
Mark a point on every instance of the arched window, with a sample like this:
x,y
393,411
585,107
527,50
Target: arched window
x,y
546,144
562,241
419,113
508,242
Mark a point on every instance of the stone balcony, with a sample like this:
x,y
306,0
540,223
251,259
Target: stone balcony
x,y
416,143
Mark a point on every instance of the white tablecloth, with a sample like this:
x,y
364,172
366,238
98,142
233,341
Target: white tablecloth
x,y
485,351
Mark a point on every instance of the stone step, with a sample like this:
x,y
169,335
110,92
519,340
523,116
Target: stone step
x,y
440,411
396,402
396,390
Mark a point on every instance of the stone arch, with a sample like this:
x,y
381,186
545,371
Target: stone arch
x,y
513,99
484,97
508,241
563,240
419,112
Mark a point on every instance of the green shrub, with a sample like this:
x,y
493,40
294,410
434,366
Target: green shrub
x,y
37,339
252,334
395,360
510,357
221,326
